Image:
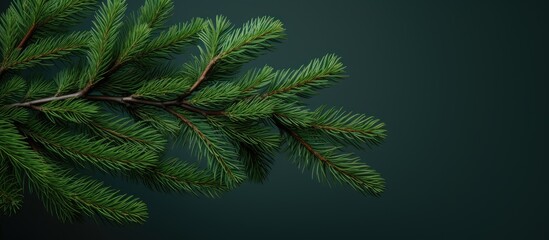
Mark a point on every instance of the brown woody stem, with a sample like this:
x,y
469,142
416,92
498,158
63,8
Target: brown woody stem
x,y
27,36
161,104
22,43
202,77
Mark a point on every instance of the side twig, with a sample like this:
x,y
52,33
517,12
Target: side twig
x,y
161,104
22,44
202,77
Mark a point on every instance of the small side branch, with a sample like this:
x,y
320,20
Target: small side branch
x,y
301,141
165,104
314,152
2,70
27,36
202,77
22,44
49,99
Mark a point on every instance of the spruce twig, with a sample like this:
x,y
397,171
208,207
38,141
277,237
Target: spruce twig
x,y
113,106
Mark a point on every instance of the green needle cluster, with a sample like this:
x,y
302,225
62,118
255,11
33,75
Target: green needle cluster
x,y
110,99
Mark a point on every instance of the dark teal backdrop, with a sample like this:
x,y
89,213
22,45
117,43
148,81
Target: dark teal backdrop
x,y
462,86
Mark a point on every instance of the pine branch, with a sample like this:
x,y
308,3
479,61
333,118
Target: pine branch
x,y
171,41
29,166
220,158
83,150
319,73
256,143
203,75
174,175
48,49
216,95
164,104
125,130
53,13
95,199
11,193
27,36
61,15
348,128
164,88
12,89
71,110
324,159
102,41
155,12
115,107
19,46
252,109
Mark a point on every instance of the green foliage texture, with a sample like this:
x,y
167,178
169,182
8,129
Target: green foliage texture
x,y
108,99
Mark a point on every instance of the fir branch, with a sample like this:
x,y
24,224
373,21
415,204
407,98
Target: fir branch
x,y
222,117
164,88
319,73
27,36
45,16
48,49
84,150
171,41
160,104
252,109
173,175
19,115
102,41
323,159
61,15
203,75
11,193
348,128
72,110
156,118
220,158
256,143
135,43
254,37
125,130
211,36
95,199
39,88
41,176
12,90
155,12
256,160
216,95
254,80
293,114
239,46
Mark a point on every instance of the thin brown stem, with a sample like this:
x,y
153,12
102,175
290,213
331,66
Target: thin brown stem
x,y
161,104
315,153
202,77
22,44
2,70
192,108
203,137
78,94
289,88
130,100
302,141
27,36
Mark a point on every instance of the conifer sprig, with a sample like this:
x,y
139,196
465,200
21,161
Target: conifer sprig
x,y
117,101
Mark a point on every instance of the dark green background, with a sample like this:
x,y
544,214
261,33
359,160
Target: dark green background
x,y
462,86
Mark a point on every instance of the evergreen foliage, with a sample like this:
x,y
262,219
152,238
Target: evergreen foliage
x,y
108,99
